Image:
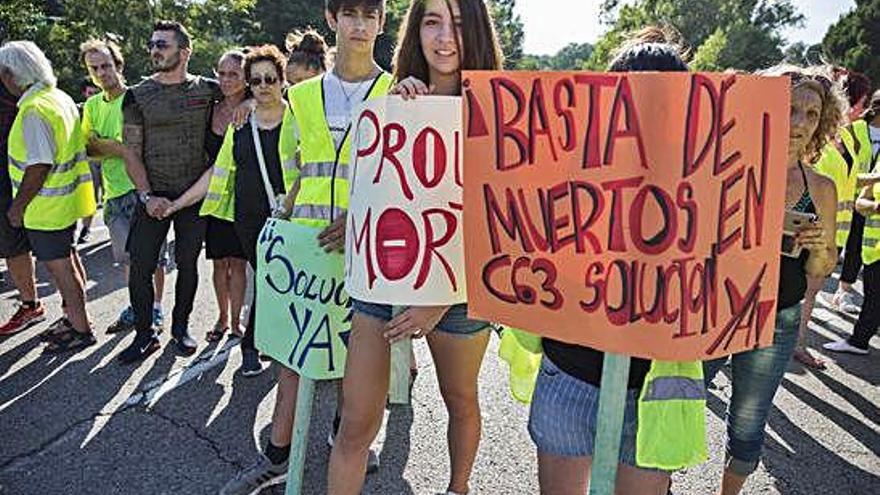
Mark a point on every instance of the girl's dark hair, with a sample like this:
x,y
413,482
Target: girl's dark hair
x,y
479,51
265,53
651,49
307,48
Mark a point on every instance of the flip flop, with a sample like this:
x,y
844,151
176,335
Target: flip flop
x,y
70,341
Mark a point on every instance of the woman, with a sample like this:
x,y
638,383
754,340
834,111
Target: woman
x,y
439,39
221,242
564,410
306,55
243,200
816,113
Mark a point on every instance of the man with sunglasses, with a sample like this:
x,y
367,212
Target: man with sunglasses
x,y
165,123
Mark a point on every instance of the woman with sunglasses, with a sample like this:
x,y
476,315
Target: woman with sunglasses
x,y
236,191
221,242
816,114
439,39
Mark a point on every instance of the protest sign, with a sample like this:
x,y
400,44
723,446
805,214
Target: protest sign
x,y
303,312
404,234
637,213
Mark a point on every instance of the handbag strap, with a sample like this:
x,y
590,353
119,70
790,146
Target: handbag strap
x,y
258,148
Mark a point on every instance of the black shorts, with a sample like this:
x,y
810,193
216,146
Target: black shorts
x,y
221,241
49,245
13,241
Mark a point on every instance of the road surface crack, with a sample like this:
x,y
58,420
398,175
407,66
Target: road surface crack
x,y
198,434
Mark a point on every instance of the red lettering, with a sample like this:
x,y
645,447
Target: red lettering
x,y
623,100
505,129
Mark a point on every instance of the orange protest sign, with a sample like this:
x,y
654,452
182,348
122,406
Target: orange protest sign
x,y
637,213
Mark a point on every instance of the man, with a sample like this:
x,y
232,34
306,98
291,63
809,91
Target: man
x,y
13,241
51,180
102,128
317,130
164,126
869,317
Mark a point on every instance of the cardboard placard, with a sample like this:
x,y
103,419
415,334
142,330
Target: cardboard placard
x,y
404,235
303,311
636,213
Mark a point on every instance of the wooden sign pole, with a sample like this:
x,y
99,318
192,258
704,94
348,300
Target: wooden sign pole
x,y
612,404
305,397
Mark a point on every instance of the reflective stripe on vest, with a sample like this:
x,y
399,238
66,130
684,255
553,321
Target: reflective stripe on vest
x,y
871,236
674,388
67,193
318,155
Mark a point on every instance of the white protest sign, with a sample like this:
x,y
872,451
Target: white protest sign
x,y
404,231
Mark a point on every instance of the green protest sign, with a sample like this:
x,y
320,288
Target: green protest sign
x,y
303,312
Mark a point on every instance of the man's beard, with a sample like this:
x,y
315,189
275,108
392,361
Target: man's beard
x,y
171,63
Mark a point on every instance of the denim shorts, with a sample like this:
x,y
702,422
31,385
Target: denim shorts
x,y
756,375
118,213
564,412
454,322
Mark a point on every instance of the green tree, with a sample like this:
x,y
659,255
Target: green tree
x,y
854,40
511,32
571,57
742,34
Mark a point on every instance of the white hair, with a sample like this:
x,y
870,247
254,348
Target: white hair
x,y
27,63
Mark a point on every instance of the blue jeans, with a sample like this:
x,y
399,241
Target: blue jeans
x,y
756,375
455,322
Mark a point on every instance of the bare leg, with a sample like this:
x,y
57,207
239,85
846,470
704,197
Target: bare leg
x,y
237,285
21,269
732,483
159,284
814,285
71,287
458,361
80,269
221,290
365,386
560,475
285,407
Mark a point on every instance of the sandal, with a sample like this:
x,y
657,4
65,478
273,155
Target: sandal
x,y
56,328
804,357
237,331
216,333
70,341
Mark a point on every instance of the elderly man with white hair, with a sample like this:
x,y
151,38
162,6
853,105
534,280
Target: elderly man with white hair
x,y
51,181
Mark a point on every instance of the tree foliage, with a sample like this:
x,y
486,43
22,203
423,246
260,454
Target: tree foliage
x,y
741,34
571,57
854,40
59,26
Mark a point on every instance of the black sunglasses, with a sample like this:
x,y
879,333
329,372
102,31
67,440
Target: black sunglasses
x,y
160,44
268,80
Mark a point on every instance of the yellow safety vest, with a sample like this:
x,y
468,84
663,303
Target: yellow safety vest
x,y
857,143
220,200
871,239
671,423
67,194
323,190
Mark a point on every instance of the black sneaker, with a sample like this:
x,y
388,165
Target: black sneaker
x,y
250,363
143,345
184,342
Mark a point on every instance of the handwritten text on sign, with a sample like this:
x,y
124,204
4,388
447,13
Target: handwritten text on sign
x,y
635,213
404,233
303,312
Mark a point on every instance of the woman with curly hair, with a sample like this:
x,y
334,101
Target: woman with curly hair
x,y
816,114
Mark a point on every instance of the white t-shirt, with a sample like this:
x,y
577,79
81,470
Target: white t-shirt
x,y
339,99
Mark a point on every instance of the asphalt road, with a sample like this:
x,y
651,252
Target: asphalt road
x,y
82,424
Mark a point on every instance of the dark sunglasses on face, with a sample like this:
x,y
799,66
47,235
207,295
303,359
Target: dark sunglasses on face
x,y
160,44
257,80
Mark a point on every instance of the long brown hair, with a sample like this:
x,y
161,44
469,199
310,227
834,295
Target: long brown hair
x,y
479,51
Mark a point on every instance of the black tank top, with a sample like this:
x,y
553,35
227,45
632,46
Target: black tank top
x,y
792,272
